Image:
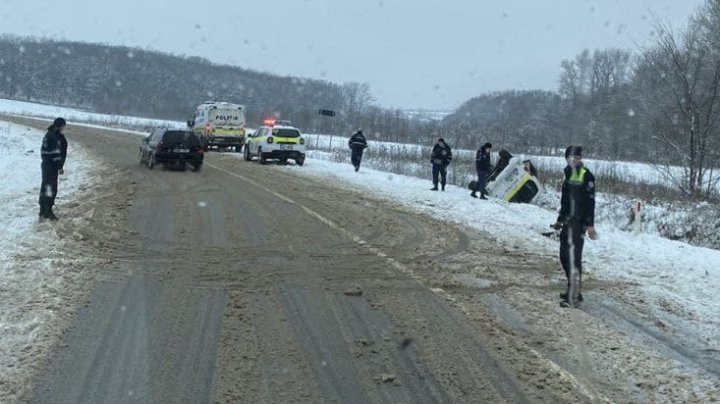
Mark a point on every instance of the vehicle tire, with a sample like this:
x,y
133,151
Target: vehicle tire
x,y
246,151
300,161
261,158
196,167
151,161
238,149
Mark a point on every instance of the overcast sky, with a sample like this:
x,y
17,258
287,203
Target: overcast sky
x,y
414,53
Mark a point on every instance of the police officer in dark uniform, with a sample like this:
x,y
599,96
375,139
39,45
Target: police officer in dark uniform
x,y
54,153
357,145
577,217
440,157
483,168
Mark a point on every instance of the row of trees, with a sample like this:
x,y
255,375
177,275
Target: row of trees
x,y
121,80
660,104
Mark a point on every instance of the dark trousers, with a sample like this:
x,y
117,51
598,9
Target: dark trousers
x,y
481,182
571,249
48,188
356,158
439,170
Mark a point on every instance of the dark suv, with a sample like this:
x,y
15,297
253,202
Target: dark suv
x,y
172,147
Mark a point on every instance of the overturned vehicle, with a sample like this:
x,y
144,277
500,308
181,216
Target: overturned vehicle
x,y
512,179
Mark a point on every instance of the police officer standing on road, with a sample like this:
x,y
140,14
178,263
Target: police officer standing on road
x,y
482,166
577,217
440,158
357,145
54,153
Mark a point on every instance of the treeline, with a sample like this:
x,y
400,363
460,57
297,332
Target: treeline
x,y
122,80
660,104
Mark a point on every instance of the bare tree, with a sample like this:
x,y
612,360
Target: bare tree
x,y
683,87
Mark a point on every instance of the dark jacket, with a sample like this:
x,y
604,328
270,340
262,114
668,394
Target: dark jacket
x,y
54,149
577,203
441,155
482,161
357,142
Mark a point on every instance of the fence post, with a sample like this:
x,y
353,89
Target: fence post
x,y
637,222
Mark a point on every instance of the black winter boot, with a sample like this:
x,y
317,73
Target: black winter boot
x,y
50,215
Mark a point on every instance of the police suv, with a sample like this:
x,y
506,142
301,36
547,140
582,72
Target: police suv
x,y
275,140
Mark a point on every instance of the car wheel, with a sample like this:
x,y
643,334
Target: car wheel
x,y
261,158
247,155
197,167
151,161
300,161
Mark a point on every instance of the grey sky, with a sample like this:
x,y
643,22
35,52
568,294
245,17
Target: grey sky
x,y
414,53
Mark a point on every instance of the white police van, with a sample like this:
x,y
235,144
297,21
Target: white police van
x,y
220,124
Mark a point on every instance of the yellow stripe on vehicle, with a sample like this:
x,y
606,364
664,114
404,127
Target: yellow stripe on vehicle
x,y
523,181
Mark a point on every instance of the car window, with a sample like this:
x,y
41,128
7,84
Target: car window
x,y
180,137
282,132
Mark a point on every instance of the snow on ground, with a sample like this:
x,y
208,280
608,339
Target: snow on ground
x,y
74,115
32,283
667,271
632,172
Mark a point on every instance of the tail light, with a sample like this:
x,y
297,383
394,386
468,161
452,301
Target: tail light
x,y
270,139
302,141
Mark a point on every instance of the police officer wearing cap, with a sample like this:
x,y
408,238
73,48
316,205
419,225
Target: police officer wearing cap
x,y
576,218
440,158
54,153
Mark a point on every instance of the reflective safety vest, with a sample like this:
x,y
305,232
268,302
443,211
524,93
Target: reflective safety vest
x,y
578,176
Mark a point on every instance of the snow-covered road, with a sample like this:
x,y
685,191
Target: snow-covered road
x,y
679,279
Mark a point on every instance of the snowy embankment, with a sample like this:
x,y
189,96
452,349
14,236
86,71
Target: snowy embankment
x,y
665,270
695,223
33,279
72,115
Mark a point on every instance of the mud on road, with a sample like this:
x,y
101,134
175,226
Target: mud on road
x,y
229,285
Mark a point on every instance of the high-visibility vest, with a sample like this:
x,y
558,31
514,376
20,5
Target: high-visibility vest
x,y
578,176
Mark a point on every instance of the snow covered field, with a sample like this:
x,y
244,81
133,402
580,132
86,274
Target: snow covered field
x,y
33,280
73,115
670,273
632,172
